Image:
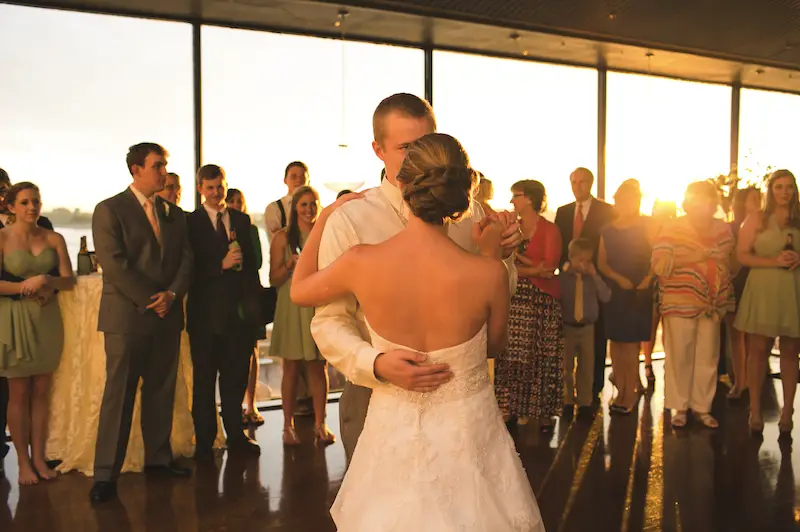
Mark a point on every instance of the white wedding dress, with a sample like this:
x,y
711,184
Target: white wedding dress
x,y
437,462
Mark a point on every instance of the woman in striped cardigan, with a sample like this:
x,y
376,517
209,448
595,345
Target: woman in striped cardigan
x,y
691,258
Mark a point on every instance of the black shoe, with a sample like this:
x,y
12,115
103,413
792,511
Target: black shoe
x,y
568,412
243,444
170,470
586,412
103,491
205,454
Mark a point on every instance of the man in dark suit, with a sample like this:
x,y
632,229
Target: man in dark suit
x,y
221,313
142,245
5,184
584,218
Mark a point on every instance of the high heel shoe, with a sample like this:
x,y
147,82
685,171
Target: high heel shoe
x,y
649,375
323,436
290,438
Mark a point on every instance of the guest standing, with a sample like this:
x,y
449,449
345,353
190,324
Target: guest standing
x,y
235,200
691,257
584,218
291,330
143,248
484,192
625,250
220,313
43,221
529,373
769,243
172,189
746,203
31,335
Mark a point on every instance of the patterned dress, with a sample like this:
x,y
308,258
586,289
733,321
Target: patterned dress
x,y
529,373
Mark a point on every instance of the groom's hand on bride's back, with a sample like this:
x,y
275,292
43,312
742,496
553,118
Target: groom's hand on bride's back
x,y
408,370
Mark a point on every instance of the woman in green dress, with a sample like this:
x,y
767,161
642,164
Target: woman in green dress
x,y
35,264
291,330
250,416
769,242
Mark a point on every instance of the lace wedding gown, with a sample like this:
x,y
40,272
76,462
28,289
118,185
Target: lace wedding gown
x,y
437,462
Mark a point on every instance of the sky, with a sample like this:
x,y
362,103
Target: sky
x,y
78,89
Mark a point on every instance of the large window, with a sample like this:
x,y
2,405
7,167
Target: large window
x,y
666,133
518,119
766,140
77,91
269,99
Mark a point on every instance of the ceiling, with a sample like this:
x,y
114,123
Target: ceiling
x,y
752,42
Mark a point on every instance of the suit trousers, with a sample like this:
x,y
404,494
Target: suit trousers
x,y
578,344
3,421
600,353
353,405
154,358
691,349
228,355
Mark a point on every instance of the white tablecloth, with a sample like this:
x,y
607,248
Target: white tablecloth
x,y
78,389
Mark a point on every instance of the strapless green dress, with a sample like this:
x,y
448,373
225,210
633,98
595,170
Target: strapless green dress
x,y
31,336
770,304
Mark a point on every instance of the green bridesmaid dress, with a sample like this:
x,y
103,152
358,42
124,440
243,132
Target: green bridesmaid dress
x,y
31,336
770,304
291,330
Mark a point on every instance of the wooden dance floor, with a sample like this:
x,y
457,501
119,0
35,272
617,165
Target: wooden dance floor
x,y
595,475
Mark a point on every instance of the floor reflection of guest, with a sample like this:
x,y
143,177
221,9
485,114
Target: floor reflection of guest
x,y
691,257
235,200
689,481
144,251
220,324
31,333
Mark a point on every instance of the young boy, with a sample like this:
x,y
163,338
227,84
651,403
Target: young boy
x,y
581,289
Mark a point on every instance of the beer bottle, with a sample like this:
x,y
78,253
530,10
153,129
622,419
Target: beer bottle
x,y
234,244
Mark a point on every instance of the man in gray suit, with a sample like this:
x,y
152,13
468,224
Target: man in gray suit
x,y
143,247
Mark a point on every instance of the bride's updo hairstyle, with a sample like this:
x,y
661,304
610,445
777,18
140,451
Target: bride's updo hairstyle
x,y
436,179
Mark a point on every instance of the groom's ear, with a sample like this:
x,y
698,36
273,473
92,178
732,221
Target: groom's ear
x,y
377,149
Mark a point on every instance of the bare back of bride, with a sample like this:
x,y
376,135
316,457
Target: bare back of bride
x,y
438,461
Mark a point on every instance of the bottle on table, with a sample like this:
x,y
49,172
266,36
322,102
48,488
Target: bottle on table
x,y
234,244
84,259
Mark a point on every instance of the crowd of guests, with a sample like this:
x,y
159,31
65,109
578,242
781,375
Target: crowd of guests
x,y
601,278
597,280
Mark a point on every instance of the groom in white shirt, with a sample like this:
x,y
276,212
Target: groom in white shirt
x,y
339,328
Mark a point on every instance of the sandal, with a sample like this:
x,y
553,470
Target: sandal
x,y
706,419
254,418
756,426
290,437
619,410
736,393
323,436
785,426
679,419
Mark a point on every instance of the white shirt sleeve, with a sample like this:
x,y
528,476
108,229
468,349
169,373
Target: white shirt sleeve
x,y
272,220
335,327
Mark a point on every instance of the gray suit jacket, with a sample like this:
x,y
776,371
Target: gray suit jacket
x,y
135,266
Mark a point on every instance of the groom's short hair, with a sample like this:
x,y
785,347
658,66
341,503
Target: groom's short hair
x,y
139,152
408,105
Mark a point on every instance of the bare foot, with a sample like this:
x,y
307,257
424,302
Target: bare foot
x,y
45,473
27,476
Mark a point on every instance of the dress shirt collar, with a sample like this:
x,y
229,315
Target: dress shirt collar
x,y
140,197
213,212
395,197
584,206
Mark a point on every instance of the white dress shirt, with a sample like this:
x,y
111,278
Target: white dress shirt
x,y
339,328
143,199
226,219
272,216
584,206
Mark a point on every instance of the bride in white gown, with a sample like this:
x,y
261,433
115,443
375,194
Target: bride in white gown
x,y
440,461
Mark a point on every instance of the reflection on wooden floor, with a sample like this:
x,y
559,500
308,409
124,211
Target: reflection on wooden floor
x,y
604,474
